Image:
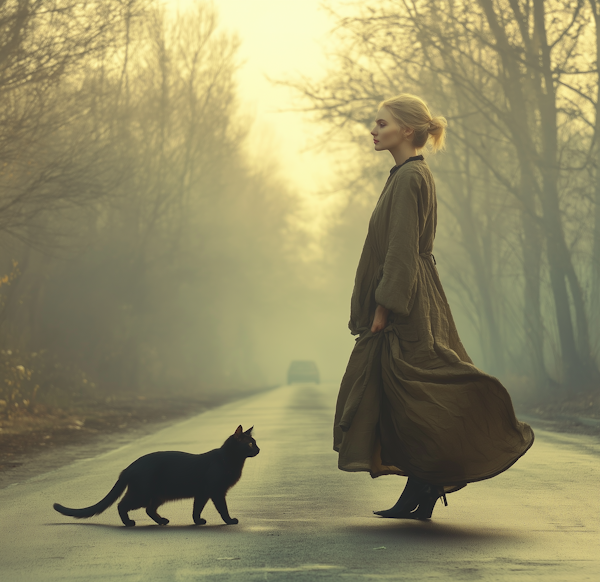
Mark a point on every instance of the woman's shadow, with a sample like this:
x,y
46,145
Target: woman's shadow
x,y
426,530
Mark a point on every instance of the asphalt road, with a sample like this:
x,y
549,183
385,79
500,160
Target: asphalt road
x,y
303,519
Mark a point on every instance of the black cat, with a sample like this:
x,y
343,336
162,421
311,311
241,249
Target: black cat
x,y
169,475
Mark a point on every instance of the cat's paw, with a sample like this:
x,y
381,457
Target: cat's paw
x,y
163,521
129,523
232,521
200,521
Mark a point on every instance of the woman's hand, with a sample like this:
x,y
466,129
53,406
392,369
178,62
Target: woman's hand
x,y
380,319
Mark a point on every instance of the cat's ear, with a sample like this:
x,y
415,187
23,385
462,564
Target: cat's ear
x,y
239,430
249,431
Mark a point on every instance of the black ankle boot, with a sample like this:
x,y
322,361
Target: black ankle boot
x,y
408,501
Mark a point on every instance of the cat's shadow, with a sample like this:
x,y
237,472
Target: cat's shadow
x,y
149,527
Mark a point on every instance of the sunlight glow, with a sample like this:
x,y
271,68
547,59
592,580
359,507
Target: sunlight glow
x,y
282,40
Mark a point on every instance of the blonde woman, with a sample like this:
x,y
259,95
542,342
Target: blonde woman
x,y
411,401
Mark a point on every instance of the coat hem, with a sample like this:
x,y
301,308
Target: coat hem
x,y
444,482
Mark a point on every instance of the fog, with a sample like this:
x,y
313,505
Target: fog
x,y
184,195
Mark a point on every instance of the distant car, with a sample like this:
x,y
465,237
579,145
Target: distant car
x,y
303,371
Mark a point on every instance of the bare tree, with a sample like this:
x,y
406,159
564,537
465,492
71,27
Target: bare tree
x,y
46,48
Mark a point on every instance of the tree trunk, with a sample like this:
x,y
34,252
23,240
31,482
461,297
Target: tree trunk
x,y
577,364
492,338
595,298
595,262
532,263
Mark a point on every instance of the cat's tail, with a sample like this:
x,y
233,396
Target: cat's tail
x,y
101,506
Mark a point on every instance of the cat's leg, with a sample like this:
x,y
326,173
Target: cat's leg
x,y
124,507
221,506
199,503
151,511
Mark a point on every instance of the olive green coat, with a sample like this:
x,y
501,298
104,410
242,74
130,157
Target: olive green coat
x,y
411,401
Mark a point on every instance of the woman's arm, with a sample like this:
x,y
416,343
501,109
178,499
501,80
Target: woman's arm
x,y
395,291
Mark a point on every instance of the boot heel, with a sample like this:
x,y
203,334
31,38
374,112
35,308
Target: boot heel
x,y
426,506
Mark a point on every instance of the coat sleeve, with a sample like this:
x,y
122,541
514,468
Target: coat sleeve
x,y
397,286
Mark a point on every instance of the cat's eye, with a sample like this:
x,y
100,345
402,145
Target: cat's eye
x,y
250,445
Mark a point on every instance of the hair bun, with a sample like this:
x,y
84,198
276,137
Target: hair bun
x,y
436,124
437,131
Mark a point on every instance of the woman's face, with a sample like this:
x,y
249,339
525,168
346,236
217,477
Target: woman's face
x,y
387,134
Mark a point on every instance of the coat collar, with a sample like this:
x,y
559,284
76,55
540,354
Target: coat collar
x,y
411,159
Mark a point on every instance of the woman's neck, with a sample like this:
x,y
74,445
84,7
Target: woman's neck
x,y
403,152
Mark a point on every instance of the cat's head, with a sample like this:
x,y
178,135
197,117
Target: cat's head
x,y
245,441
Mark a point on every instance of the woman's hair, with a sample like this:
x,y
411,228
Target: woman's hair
x,y
412,112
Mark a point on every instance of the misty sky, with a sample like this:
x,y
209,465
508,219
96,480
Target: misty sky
x,y
280,39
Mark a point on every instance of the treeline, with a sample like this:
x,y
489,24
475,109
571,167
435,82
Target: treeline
x,y
139,243
519,185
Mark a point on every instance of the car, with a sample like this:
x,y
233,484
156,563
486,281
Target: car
x,y
303,371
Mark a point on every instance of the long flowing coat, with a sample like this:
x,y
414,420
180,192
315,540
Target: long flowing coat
x,y
411,401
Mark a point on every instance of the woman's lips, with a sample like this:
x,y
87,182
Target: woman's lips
x,y
375,141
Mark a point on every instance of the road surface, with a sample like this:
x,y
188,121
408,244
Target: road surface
x,y
303,519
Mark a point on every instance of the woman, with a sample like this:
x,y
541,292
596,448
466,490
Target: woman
x,y
411,401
